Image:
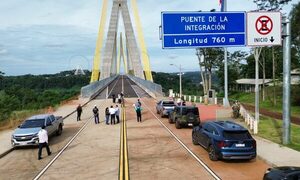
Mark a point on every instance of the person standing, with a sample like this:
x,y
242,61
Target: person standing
x,y
79,111
112,113
117,110
119,98
122,97
138,103
114,98
43,142
96,114
107,114
138,111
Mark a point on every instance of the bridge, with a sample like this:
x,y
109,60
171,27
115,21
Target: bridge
x,y
151,149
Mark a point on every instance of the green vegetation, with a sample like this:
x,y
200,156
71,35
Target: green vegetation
x,y
190,86
249,98
21,96
271,129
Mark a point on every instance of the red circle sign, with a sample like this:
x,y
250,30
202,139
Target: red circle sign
x,y
264,25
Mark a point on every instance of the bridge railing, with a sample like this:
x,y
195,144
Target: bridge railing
x,y
96,87
153,89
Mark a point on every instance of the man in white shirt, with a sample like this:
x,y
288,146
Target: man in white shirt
x,y
43,142
112,112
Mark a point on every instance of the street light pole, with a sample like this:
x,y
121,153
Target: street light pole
x,y
180,85
180,80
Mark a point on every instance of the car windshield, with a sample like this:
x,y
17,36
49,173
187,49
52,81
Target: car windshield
x,y
32,123
168,103
236,135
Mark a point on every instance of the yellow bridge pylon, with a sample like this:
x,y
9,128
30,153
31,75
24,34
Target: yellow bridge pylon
x,y
132,62
97,57
143,48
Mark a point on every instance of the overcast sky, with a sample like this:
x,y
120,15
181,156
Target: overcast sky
x,y
49,36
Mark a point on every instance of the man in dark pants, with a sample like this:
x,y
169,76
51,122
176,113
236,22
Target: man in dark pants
x,y
79,111
114,98
112,113
138,111
43,142
117,114
96,114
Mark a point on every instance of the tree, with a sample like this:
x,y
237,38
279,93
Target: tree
x,y
295,23
234,68
211,60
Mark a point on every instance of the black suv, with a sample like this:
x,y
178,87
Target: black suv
x,y
185,116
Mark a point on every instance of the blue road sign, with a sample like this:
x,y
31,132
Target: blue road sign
x,y
203,29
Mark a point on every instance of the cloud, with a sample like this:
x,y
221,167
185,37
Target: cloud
x,y
3,51
43,36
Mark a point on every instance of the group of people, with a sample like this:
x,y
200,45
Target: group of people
x,y
119,98
112,113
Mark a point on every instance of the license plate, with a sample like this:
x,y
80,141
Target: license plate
x,y
23,143
239,145
190,124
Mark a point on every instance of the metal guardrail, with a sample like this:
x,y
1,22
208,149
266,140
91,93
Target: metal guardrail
x,y
96,87
153,89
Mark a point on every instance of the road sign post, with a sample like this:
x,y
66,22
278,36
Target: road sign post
x,y
203,29
286,102
263,29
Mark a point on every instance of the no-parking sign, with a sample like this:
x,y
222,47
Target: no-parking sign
x,y
263,28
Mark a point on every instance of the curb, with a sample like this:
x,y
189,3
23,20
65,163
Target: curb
x,y
6,152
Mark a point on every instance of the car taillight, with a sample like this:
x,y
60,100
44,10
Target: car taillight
x,y
222,144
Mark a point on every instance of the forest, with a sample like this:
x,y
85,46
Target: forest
x,y
33,92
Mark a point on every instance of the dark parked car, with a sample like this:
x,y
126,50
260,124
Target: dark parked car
x,y
185,116
282,173
165,107
225,140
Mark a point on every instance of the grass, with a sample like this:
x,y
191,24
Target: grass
x,y
19,116
249,98
271,129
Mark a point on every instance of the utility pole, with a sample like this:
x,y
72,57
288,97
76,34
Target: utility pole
x,y
286,103
226,102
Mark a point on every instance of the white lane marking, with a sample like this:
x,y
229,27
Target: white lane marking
x,y
182,144
62,150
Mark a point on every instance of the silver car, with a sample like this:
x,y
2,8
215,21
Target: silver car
x,y
27,133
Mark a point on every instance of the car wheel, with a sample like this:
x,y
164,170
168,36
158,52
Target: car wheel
x,y
170,120
212,153
177,124
194,140
59,131
161,114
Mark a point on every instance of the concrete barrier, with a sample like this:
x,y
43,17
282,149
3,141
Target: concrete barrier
x,y
95,88
153,89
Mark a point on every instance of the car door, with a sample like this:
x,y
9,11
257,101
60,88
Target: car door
x,y
54,123
49,126
206,135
